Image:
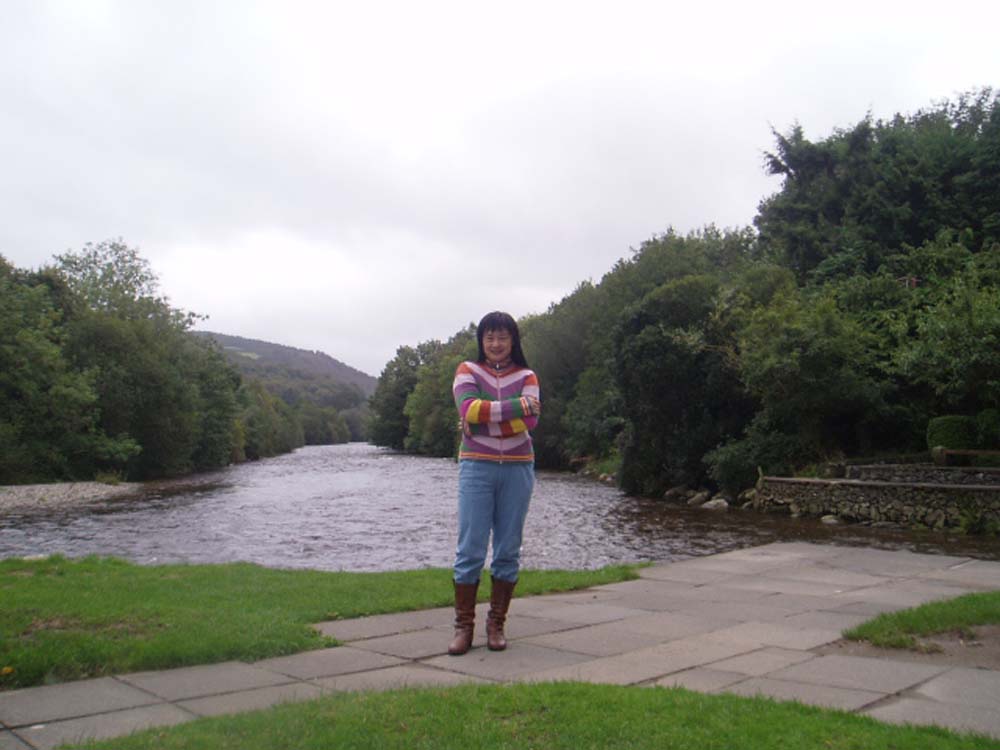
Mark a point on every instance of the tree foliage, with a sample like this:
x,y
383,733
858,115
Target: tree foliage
x,y
99,374
49,411
866,303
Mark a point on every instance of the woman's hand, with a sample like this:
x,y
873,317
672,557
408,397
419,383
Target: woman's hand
x,y
534,406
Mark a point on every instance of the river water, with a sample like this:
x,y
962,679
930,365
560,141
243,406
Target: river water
x,y
356,507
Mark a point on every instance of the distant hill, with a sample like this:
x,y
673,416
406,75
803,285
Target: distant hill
x,y
265,360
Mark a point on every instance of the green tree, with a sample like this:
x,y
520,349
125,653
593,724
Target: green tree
x,y
323,425
811,369
956,350
430,407
681,395
48,410
389,424
156,383
865,192
270,426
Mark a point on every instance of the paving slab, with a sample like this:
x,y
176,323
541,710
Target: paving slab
x,y
798,603
586,596
71,699
416,645
785,586
327,662
9,741
860,673
678,594
701,679
656,595
394,678
103,726
380,625
517,627
964,686
823,573
501,666
868,609
582,614
643,665
686,573
824,696
716,564
761,559
740,564
605,639
919,711
652,601
210,679
522,626
891,563
720,592
251,700
979,573
935,588
824,620
888,595
668,626
773,634
763,661
733,612
784,551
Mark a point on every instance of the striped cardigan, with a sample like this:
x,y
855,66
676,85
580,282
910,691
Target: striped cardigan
x,y
494,411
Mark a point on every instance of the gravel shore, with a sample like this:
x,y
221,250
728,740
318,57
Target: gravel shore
x,y
59,495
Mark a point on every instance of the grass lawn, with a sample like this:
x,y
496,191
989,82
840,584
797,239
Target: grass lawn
x,y
63,619
900,629
548,717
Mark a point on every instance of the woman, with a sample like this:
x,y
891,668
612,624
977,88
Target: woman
x,y
497,400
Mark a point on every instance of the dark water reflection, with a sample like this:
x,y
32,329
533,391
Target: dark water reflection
x,y
355,507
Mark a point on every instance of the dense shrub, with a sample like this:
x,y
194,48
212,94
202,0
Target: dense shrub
x,y
988,428
955,432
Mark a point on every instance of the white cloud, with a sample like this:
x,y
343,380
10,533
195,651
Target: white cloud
x,y
351,177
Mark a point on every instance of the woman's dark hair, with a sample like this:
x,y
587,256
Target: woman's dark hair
x,y
501,321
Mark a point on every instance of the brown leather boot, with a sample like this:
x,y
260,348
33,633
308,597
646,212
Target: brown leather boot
x,y
499,602
465,617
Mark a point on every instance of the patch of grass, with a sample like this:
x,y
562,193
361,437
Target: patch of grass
x,y
977,522
610,464
552,716
65,619
901,629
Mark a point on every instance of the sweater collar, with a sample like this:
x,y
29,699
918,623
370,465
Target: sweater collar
x,y
501,368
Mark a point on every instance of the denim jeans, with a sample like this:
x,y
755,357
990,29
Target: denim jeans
x,y
492,496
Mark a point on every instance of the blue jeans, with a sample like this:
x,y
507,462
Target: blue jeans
x,y
491,497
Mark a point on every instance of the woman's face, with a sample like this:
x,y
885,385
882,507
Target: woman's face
x,y
497,345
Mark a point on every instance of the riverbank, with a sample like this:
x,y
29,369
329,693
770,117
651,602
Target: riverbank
x,y
21,497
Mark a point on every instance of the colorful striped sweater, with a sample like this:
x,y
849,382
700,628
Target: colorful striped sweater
x,y
494,411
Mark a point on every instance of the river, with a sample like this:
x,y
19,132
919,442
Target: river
x,y
357,507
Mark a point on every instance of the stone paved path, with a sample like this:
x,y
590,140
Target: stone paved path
x,y
749,622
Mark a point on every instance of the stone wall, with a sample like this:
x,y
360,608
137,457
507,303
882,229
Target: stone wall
x,y
905,503
923,473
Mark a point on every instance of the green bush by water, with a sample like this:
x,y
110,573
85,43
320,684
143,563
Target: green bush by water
x,y
955,432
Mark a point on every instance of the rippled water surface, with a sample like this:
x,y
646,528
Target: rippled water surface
x,y
355,507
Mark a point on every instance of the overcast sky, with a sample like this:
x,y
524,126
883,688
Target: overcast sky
x,y
350,177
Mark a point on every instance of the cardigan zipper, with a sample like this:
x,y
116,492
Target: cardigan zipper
x,y
497,374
